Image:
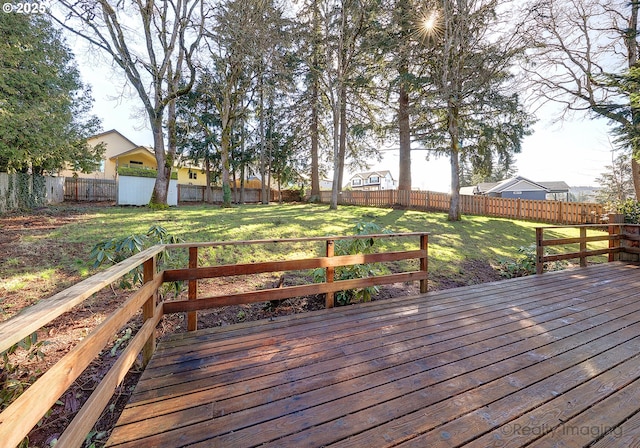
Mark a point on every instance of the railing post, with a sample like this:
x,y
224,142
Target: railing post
x,y
615,231
424,263
583,247
192,317
149,308
330,274
539,250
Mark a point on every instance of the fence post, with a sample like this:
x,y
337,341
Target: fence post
x,y
149,308
330,273
424,263
192,317
615,232
539,250
583,247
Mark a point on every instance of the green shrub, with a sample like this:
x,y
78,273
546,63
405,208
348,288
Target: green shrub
x,y
522,266
142,172
631,211
526,264
352,247
115,250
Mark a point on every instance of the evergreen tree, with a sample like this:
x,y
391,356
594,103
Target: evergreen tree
x,y
44,107
616,184
470,110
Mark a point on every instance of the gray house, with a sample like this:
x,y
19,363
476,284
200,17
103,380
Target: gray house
x,y
521,187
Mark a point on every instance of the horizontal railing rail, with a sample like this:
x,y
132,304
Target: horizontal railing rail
x,y
18,419
623,240
329,262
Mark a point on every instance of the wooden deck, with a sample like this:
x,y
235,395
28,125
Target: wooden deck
x,y
551,360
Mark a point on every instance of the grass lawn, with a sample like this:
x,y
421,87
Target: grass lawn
x,y
43,262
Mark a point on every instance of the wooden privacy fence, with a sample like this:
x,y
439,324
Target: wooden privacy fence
x,y
17,420
90,190
553,212
197,193
24,191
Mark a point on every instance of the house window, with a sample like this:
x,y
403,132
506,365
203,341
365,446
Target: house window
x,y
101,168
374,180
193,175
135,162
356,182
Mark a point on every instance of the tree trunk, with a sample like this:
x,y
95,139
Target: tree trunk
x,y
263,147
315,106
343,136
208,192
161,187
315,165
336,158
404,12
404,177
635,172
225,145
454,134
242,175
632,53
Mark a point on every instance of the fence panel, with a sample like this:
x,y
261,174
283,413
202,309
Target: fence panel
x,y
24,191
555,212
92,190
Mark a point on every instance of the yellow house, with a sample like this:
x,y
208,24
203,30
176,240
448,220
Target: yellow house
x,y
122,152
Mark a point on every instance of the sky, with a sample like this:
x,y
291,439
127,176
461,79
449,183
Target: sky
x,y
575,151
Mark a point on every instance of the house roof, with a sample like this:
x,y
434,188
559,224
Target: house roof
x,y
113,131
518,183
368,174
556,186
134,150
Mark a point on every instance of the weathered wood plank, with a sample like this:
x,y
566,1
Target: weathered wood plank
x,y
265,295
76,433
297,389
412,324
19,417
288,265
33,318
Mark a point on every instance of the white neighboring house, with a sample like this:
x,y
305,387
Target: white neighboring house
x,y
373,180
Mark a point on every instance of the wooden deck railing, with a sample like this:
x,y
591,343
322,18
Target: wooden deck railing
x,y
17,420
623,244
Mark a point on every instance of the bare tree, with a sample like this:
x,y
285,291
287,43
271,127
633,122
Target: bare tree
x,y
153,42
578,46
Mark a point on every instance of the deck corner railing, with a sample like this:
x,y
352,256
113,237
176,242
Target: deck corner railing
x,y
623,243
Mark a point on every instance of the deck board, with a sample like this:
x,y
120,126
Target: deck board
x,y
509,363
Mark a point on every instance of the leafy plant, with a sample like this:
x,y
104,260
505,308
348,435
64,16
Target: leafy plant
x,y
115,250
631,211
522,266
14,377
352,247
526,264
